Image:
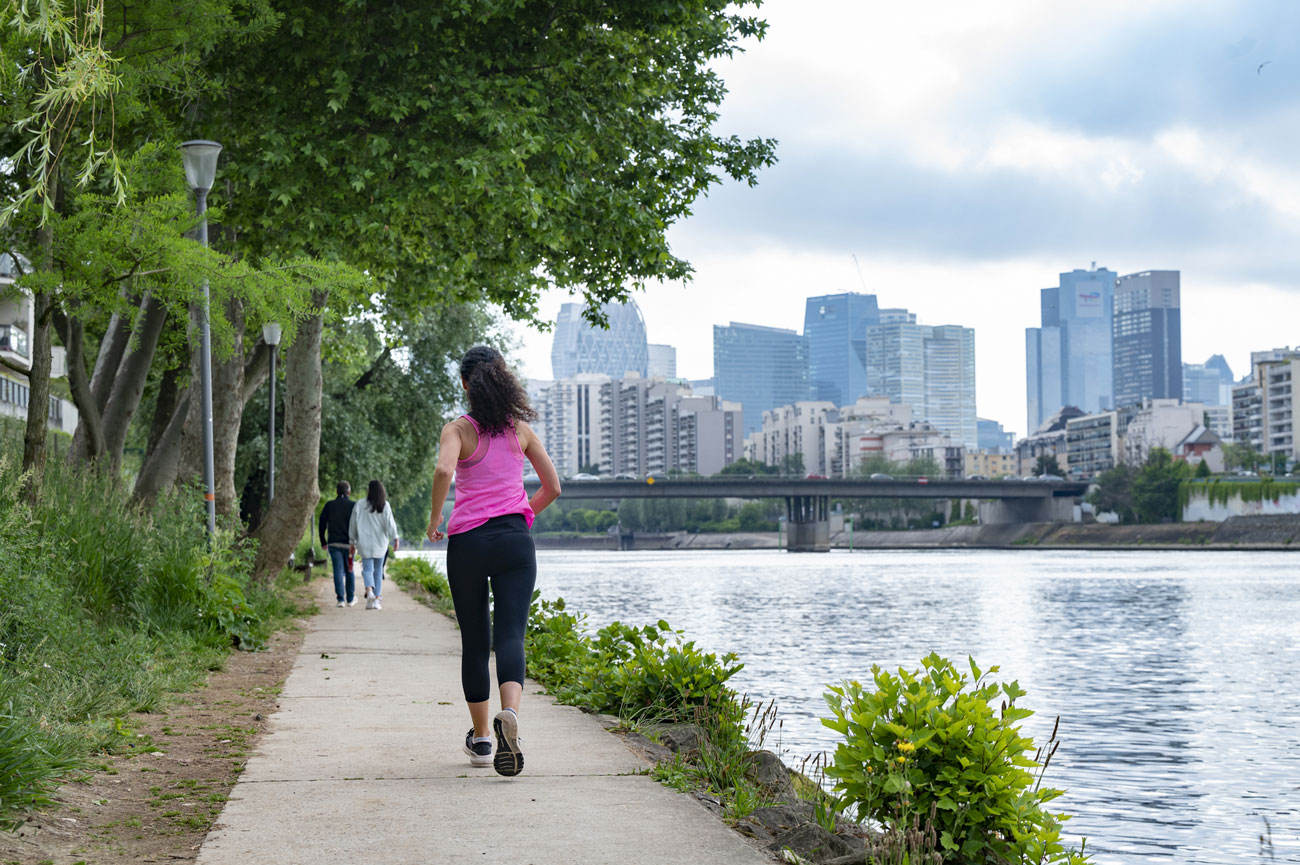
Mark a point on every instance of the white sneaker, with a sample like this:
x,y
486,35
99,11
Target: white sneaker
x,y
370,593
340,604
372,604
378,604
351,603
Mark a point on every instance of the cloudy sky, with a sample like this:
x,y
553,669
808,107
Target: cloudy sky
x,y
967,153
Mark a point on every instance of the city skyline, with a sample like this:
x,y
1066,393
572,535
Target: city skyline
x,y
966,181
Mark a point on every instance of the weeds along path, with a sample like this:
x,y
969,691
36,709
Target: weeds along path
x,y
155,798
364,764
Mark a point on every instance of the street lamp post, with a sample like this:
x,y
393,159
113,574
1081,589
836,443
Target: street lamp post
x,y
200,170
271,336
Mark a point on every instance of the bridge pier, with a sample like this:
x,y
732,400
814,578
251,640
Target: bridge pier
x,y
809,524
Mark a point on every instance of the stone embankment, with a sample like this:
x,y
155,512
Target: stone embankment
x,y
1281,532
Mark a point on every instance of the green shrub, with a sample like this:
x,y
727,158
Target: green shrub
x,y
931,739
108,607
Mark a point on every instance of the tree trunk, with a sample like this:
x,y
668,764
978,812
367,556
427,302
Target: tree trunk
x,y
161,466
228,412
164,408
111,349
297,487
38,402
89,423
132,373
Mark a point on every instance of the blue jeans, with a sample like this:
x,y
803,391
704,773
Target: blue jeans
x,y
372,572
342,576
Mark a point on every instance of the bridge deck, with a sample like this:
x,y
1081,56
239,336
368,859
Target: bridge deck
x,y
767,487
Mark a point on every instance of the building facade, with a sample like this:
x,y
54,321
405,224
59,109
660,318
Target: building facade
x,y
760,368
636,426
1095,443
993,438
1159,423
1264,413
932,369
662,362
1068,357
991,464
579,347
17,319
836,328
1147,338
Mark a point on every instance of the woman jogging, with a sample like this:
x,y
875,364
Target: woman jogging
x,y
490,542
370,530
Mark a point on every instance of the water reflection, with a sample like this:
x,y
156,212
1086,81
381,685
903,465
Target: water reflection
x,y
1176,674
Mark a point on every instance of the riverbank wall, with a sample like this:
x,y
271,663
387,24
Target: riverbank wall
x,y
1280,532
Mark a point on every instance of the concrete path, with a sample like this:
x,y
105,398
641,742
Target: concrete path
x,y
363,765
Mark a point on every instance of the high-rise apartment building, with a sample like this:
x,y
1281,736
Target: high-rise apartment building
x,y
1147,337
578,347
836,328
636,426
662,361
932,369
1068,358
1264,413
760,368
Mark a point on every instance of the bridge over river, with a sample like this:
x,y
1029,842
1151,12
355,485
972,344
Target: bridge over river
x,y
807,500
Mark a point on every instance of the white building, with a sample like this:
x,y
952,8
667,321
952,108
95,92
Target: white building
x,y
17,321
636,426
929,368
1160,423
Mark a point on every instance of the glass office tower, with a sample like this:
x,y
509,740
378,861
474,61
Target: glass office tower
x,y
578,347
760,368
1068,359
836,328
1148,337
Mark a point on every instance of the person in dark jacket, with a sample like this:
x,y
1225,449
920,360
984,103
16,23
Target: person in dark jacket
x,y
334,520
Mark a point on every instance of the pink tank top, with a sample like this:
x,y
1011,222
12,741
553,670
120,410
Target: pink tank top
x,y
490,483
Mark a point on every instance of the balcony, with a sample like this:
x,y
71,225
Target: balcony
x,y
13,339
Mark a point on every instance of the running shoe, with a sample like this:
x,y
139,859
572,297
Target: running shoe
x,y
341,604
480,753
379,603
509,760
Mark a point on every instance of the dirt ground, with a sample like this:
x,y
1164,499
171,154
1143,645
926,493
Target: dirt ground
x,y
157,802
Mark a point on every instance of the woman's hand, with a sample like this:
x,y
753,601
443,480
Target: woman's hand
x,y
434,534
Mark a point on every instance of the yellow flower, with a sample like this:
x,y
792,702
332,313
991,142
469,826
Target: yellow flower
x,y
906,747
901,759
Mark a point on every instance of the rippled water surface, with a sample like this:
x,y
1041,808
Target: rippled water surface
x,y
1176,674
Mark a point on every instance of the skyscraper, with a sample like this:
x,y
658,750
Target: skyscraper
x,y
1147,338
929,368
760,368
836,328
663,361
1068,358
578,348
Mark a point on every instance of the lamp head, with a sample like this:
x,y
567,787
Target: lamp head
x,y
200,163
271,333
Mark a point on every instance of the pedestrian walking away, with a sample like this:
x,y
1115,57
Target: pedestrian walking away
x,y
371,530
335,518
489,542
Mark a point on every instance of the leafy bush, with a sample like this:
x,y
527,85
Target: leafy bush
x,y
646,671
108,606
420,572
931,739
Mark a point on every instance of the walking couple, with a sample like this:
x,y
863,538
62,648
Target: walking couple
x,y
362,529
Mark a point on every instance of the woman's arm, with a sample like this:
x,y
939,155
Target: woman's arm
x,y
352,524
448,455
391,525
541,460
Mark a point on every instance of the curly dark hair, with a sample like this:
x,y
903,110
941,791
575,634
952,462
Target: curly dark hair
x,y
496,399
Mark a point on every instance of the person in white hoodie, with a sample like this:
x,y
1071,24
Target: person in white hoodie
x,y
371,529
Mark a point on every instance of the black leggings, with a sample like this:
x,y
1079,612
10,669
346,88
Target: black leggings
x,y
501,550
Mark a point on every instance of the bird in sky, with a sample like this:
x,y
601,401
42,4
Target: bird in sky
x,y
1261,66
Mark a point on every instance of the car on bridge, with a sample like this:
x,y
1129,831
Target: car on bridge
x,y
881,476
585,476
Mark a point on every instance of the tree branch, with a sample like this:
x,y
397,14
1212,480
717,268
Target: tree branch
x,y
369,375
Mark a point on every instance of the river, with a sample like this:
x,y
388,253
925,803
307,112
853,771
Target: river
x,y
1176,674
